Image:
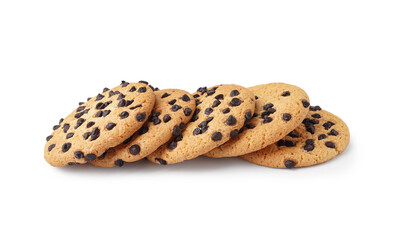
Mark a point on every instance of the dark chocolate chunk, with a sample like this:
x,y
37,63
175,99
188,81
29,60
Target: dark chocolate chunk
x,y
185,98
286,94
79,109
142,89
119,163
99,97
80,103
286,143
106,112
198,102
196,95
134,107
66,147
103,155
187,111
140,117
235,102
86,111
127,140
234,93
208,111
328,125
124,115
256,97
165,95
73,163
171,102
249,126
176,131
178,138
124,83
161,161
69,135
287,117
78,154
120,96
99,114
122,103
90,157
333,132
219,97
202,89
231,120
134,149
182,126
306,103
211,91
95,133
316,115
128,102
99,105
132,89
61,120
66,127
167,118
78,115
156,120
330,145
293,135
105,89
90,124
267,106
175,108
49,138
110,126
50,147
226,110
172,145
197,131
217,136
144,82
267,119
309,145
322,136
234,133
80,121
248,115
216,103
316,108
289,164
86,135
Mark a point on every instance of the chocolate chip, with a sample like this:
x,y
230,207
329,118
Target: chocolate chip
x,y
175,108
106,112
128,140
235,102
110,126
119,163
165,95
248,115
120,96
217,136
95,134
287,117
330,145
267,119
316,108
124,115
49,138
322,136
309,125
80,103
78,115
90,124
328,125
198,102
309,145
144,82
161,161
50,147
140,117
197,131
286,94
66,127
231,120
286,143
79,109
167,118
234,133
187,111
172,145
61,120
267,106
69,135
202,89
122,103
103,155
208,111
289,164
216,103
219,97
156,120
80,121
234,93
105,89
78,154
178,138
90,157
333,132
134,107
316,115
249,126
132,89
134,149
185,98
196,95
128,102
171,102
86,111
99,114
86,135
211,91
226,110
99,97
306,103
256,97
176,131
66,147
142,89
124,83
293,135
88,99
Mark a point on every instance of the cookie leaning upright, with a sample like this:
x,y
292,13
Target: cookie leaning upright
x,y
102,122
280,108
220,112
321,137
172,111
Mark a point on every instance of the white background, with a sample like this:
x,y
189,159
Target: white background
x,y
54,54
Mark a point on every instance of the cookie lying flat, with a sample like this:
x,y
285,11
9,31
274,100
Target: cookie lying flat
x,y
221,111
279,109
173,109
320,138
102,122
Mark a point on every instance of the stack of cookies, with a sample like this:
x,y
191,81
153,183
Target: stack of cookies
x,y
270,125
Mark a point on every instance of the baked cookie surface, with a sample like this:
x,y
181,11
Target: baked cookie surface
x,y
173,109
102,122
320,137
220,112
279,109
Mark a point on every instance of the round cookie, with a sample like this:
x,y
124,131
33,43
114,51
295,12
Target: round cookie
x,y
102,122
173,109
279,109
220,112
320,137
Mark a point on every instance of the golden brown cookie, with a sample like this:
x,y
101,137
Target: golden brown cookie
x,y
279,109
221,111
173,109
320,137
102,122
